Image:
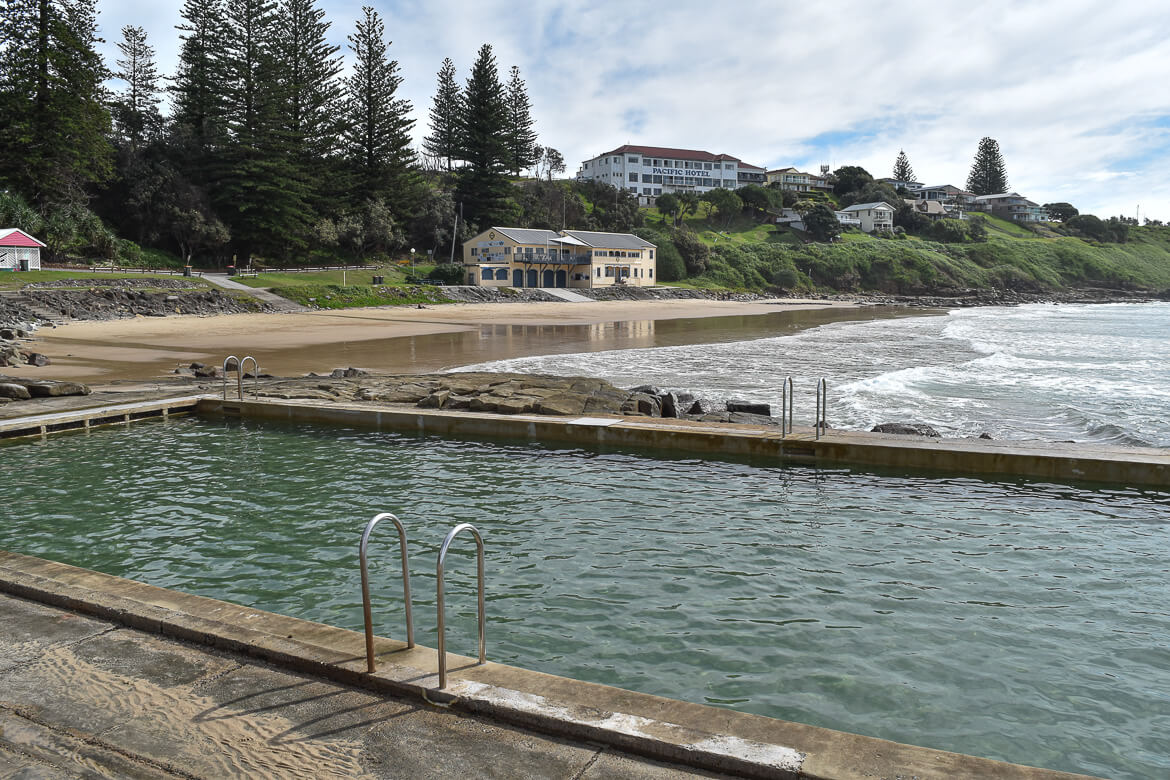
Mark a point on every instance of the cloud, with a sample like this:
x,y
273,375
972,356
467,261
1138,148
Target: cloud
x,y
1073,91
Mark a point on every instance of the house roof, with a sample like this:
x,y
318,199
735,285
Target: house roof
x,y
666,151
743,165
1000,195
609,240
948,188
17,237
926,206
528,235
789,169
864,206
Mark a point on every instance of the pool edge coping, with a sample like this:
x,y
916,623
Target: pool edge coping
x,y
694,735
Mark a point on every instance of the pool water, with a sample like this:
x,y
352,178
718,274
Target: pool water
x,y
1016,620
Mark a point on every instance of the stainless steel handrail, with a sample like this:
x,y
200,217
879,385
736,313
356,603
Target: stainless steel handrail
x,y
822,407
240,363
226,360
786,396
255,376
439,599
366,585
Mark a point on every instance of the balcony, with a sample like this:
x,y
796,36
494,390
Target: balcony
x,y
536,258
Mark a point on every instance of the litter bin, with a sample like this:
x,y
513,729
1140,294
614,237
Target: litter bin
x,y
379,280
231,270
186,270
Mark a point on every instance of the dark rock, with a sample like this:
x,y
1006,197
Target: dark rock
x,y
676,404
906,429
647,389
209,372
14,392
36,359
435,400
196,366
55,389
985,435
7,334
642,403
749,407
348,373
751,419
702,406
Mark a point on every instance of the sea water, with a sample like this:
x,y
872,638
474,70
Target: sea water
x,y
1041,371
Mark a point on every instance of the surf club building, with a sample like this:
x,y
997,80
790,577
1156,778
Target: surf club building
x,y
19,251
649,171
525,257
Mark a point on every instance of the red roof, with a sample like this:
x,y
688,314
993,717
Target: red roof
x,y
664,151
17,237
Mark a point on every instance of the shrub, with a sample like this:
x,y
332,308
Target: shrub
x,y
951,231
695,253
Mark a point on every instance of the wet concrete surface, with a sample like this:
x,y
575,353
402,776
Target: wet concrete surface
x,y
81,697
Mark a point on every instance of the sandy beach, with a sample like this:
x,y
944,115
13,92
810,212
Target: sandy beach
x,y
401,339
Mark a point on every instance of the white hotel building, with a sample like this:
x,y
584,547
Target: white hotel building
x,y
649,171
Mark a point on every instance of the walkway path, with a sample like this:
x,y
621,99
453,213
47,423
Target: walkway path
x,y
277,302
567,295
80,697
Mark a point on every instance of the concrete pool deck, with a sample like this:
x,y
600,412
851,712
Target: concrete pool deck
x,y
105,674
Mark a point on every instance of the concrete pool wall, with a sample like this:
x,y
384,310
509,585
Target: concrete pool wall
x,y
1129,466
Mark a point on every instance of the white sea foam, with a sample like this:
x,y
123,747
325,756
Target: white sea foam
x,y
1057,372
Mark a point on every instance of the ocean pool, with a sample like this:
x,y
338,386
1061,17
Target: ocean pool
x,y
1018,620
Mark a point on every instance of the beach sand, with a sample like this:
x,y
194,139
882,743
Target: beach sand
x,y
403,339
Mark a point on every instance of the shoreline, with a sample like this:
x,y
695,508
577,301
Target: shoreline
x,y
407,340
402,339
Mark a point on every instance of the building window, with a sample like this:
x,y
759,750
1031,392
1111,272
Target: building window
x,y
633,159
507,250
487,274
502,274
474,251
646,190
651,273
707,166
657,190
651,254
633,177
599,272
609,271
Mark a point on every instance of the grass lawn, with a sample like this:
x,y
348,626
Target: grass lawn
x,y
14,280
997,227
351,288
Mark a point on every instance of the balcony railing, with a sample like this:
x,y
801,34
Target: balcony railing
x,y
537,258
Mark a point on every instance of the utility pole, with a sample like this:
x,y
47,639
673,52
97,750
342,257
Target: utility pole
x,y
455,230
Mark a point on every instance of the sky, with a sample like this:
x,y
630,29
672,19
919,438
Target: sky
x,y
1076,92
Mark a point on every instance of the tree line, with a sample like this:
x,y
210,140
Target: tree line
x,y
268,151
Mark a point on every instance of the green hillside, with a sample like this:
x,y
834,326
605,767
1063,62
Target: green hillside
x,y
748,254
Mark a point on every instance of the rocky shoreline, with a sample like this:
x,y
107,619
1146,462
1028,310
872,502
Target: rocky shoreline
x,y
51,302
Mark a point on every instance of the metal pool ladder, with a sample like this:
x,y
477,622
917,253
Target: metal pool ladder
x,y
439,597
786,395
822,407
240,375
370,667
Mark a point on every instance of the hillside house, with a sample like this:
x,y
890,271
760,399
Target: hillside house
x,y
872,216
1013,206
525,257
19,251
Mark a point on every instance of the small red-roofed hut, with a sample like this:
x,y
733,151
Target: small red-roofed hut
x,y
19,251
